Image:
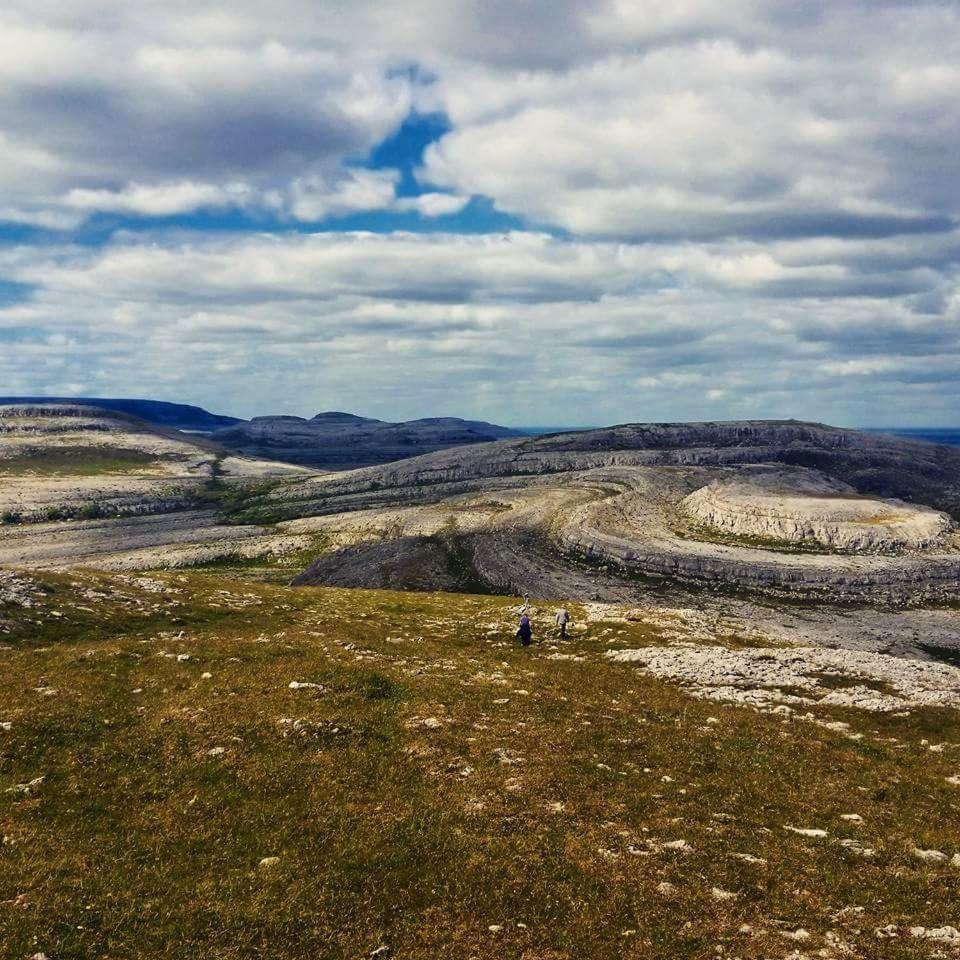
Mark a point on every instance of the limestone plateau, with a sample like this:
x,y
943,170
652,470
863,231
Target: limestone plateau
x,y
779,508
776,506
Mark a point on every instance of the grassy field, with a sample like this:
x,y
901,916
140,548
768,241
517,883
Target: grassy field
x,y
76,461
435,790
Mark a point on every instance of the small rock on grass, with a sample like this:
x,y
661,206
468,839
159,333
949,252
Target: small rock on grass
x,y
945,934
304,685
808,831
267,862
718,893
930,856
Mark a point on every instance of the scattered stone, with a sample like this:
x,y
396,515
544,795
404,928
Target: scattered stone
x,y
856,847
930,856
851,817
748,858
945,934
267,862
304,685
26,788
720,894
217,751
381,952
807,831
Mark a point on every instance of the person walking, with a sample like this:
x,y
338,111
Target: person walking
x,y
525,630
563,618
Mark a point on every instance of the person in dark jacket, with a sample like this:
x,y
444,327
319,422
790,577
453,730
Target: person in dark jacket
x,y
525,630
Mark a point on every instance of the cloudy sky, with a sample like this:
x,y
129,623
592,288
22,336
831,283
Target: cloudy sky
x,y
558,212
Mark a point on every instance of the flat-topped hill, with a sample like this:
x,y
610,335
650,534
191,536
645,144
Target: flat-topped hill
x,y
179,416
342,441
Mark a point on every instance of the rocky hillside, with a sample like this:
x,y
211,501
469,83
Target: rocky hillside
x,y
529,513
872,463
79,485
178,416
343,441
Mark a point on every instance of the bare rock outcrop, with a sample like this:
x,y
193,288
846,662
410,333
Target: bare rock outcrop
x,y
837,518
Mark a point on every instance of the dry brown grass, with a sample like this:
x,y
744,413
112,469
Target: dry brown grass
x,y
545,813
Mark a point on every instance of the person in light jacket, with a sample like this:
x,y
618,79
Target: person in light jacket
x,y
563,618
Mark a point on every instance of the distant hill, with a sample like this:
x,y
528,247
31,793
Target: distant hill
x,y
179,416
341,441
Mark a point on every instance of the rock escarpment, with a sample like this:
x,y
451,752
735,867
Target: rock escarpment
x,y
838,519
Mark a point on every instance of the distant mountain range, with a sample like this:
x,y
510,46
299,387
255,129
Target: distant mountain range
x,y
342,441
330,441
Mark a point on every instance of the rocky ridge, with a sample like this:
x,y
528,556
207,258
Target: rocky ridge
x,y
833,515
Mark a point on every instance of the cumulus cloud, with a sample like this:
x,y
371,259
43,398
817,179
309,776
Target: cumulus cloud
x,y
725,130
575,331
631,119
724,210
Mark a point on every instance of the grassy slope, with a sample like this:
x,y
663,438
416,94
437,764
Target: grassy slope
x,y
78,461
141,843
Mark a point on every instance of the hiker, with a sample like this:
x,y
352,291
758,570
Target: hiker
x,y
525,631
563,618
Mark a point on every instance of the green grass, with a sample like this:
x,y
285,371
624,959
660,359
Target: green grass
x,y
77,461
141,843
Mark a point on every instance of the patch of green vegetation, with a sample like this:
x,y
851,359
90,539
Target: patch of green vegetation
x,y
243,502
78,461
279,567
703,533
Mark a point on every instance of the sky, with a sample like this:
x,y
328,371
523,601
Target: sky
x,y
556,212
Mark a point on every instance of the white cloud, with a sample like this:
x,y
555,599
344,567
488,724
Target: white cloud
x,y
314,198
158,200
433,204
759,201
513,326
